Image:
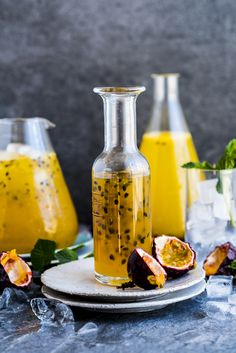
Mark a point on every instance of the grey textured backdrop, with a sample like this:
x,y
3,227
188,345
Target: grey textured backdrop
x,y
53,52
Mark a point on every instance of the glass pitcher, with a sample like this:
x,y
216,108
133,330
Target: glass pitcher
x,y
34,199
167,144
121,189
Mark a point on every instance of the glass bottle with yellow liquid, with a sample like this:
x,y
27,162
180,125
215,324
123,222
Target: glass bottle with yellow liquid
x,y
120,189
167,144
34,199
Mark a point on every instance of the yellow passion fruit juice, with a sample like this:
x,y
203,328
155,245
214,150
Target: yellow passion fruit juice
x,y
121,220
34,203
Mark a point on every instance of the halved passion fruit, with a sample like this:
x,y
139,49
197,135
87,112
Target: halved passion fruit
x,y
219,260
145,271
17,270
174,255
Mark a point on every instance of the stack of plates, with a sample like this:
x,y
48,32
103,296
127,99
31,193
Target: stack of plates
x,y
74,284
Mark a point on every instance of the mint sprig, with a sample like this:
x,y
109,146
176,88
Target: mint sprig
x,y
68,255
42,254
226,161
199,165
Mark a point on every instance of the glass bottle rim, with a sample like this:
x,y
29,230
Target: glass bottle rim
x,y
120,91
9,121
165,75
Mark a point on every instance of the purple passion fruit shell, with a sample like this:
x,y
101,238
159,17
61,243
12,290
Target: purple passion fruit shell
x,y
174,255
219,260
145,271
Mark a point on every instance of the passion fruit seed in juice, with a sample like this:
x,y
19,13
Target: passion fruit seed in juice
x,y
121,221
166,152
34,203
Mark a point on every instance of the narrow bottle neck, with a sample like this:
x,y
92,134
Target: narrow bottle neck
x,y
120,123
166,88
167,113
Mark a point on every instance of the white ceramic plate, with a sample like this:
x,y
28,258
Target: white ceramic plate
x,y
77,278
134,307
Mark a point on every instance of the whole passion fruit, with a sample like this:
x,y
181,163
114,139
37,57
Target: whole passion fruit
x,y
219,260
145,271
174,255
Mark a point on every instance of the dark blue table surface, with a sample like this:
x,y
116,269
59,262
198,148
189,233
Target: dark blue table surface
x,y
195,325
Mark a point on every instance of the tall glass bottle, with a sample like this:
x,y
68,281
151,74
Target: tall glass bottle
x,y
120,188
167,144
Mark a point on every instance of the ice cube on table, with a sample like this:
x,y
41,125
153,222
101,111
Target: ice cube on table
x,y
218,310
232,299
51,312
90,328
12,298
219,286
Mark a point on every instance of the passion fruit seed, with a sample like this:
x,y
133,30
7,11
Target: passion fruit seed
x,y
174,255
145,271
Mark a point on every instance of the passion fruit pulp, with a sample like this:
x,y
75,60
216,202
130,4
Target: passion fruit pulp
x,y
145,271
219,260
174,255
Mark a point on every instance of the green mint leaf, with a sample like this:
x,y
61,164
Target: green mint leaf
x,y
230,149
198,165
91,254
42,254
79,246
232,265
228,159
66,255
